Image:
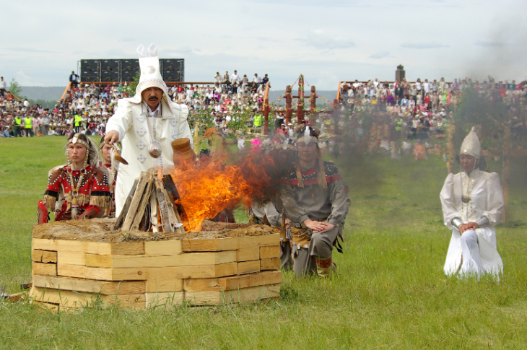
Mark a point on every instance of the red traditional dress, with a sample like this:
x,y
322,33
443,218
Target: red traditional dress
x,y
110,212
83,192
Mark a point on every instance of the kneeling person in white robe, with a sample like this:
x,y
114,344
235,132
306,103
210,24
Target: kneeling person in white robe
x,y
472,202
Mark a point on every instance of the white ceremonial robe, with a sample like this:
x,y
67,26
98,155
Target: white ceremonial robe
x,y
134,126
486,206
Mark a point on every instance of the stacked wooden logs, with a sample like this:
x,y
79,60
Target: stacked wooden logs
x,y
150,206
143,274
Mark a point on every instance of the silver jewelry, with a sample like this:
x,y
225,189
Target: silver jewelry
x,y
456,222
154,148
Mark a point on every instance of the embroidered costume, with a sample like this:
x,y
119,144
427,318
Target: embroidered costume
x,y
112,178
476,197
321,195
92,195
145,134
81,194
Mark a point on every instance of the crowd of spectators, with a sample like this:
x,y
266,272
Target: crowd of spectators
x,y
86,108
421,108
412,110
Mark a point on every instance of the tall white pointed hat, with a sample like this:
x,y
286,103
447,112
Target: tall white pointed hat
x,y
150,72
471,145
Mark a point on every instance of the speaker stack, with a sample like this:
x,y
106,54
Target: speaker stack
x,y
172,69
121,70
110,70
90,70
129,69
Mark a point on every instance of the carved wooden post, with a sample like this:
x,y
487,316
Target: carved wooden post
x,y
266,110
288,99
300,108
313,99
336,112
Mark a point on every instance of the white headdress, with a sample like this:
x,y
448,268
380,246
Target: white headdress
x,y
471,145
150,72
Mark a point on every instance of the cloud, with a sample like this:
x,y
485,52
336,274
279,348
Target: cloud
x,y
23,79
423,45
326,42
379,54
186,50
486,43
26,49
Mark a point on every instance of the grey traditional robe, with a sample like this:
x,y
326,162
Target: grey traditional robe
x,y
314,202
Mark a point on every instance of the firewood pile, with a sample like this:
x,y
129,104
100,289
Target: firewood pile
x,y
144,258
150,206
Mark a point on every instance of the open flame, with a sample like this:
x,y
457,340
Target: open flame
x,y
217,183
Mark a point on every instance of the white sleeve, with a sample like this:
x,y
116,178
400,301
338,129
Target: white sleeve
x,y
274,217
495,201
448,201
122,120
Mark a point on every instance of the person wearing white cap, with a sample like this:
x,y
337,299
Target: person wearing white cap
x,y
472,202
146,124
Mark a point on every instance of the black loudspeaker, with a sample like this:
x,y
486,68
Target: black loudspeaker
x,y
172,70
129,69
110,70
90,70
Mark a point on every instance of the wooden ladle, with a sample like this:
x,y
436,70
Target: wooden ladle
x,y
118,157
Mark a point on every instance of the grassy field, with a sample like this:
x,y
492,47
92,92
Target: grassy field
x,y
390,293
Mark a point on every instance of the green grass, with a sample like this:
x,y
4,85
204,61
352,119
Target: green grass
x,y
390,291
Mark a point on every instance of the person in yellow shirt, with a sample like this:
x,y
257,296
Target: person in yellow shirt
x,y
17,121
28,125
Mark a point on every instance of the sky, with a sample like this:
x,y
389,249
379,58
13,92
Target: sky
x,y
327,41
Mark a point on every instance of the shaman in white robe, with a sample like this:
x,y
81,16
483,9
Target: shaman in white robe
x,y
134,122
484,208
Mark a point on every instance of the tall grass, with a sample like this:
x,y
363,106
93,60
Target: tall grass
x,y
390,291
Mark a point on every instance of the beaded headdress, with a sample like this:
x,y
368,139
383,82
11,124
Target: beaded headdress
x,y
75,139
92,154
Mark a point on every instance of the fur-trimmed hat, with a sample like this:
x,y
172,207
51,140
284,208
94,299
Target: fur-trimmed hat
x,y
306,134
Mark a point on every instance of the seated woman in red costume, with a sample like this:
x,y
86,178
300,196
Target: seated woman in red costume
x,y
83,187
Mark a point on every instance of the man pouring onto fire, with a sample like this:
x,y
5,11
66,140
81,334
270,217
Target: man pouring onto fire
x,y
316,201
146,124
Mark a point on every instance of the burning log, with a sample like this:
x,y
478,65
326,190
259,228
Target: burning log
x,y
217,183
149,208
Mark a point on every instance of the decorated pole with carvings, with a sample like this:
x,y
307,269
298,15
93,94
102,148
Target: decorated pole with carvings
x,y
313,99
266,110
300,109
288,100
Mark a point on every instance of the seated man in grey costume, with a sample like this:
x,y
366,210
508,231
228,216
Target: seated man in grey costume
x,y
316,201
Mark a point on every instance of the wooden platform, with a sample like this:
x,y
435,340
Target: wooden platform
x,y
72,271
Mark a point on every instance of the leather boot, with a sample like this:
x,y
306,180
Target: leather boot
x,y
325,267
